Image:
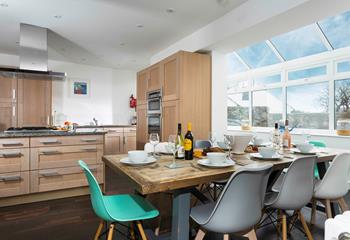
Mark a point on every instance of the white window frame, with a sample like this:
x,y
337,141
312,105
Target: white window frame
x,y
329,58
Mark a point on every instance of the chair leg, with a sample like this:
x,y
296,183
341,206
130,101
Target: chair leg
x,y
343,205
132,231
292,221
313,212
200,235
226,237
251,235
306,228
279,221
284,226
328,208
110,232
99,229
142,232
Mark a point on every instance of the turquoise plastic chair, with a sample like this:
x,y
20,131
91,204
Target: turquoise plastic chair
x,y
317,144
117,208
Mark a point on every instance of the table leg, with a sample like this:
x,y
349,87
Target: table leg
x,y
180,227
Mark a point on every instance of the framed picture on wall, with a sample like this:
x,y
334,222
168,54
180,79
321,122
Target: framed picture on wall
x,y
79,87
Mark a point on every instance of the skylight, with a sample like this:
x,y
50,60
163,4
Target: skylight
x,y
234,64
302,42
258,55
337,30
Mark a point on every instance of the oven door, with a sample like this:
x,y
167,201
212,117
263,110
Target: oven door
x,y
154,123
154,106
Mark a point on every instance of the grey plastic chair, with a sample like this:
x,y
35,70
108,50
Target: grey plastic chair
x,y
203,144
295,192
333,187
239,206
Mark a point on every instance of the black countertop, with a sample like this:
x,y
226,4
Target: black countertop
x,y
49,133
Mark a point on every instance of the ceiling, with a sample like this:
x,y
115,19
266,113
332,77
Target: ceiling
x,y
108,33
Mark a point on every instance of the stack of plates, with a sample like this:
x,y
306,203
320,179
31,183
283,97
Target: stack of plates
x,y
128,161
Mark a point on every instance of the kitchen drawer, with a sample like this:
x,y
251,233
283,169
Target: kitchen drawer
x,y
14,160
65,156
12,184
130,130
14,143
62,178
114,130
65,140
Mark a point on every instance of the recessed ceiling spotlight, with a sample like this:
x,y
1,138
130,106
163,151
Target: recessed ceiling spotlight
x,y
170,10
58,16
139,25
4,5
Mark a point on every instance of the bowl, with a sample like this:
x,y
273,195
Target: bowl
x,y
267,152
216,157
305,147
239,142
137,156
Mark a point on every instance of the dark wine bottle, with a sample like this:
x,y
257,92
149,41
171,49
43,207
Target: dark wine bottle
x,y
188,143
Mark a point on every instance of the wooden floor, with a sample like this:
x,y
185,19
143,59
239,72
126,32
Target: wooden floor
x,y
73,218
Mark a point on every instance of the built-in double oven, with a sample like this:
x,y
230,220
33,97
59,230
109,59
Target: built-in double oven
x,y
154,112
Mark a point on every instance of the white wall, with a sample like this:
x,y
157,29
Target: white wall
x,y
110,90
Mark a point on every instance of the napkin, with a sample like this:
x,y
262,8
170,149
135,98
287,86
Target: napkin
x,y
160,147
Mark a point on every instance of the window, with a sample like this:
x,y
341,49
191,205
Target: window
x,y
343,67
235,65
261,81
337,30
307,105
299,43
258,55
341,97
238,109
238,83
267,107
307,73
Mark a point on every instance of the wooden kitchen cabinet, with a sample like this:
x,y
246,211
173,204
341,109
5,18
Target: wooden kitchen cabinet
x,y
129,141
8,87
8,116
170,75
170,118
155,81
114,142
34,101
141,129
141,86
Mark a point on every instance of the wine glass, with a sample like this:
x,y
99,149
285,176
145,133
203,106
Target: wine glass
x,y
174,146
212,138
228,142
154,140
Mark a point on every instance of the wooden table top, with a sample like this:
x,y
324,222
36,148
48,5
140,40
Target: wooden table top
x,y
157,177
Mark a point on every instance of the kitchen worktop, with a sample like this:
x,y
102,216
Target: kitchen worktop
x,y
106,126
49,133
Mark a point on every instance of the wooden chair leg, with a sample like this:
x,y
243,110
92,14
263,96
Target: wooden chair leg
x,y
110,232
132,231
306,228
251,235
328,208
99,229
344,207
284,226
292,221
313,212
200,235
142,232
226,237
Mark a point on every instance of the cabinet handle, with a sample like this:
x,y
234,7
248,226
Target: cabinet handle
x,y
13,111
11,178
50,174
12,154
50,141
13,94
8,144
123,139
89,140
91,149
50,152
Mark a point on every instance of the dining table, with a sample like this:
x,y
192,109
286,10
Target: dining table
x,y
183,181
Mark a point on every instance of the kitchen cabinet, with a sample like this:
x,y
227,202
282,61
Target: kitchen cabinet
x,y
8,87
8,117
154,81
141,86
170,77
114,142
129,141
170,118
141,129
34,101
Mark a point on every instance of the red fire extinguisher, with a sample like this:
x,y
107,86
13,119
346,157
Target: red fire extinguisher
x,y
132,101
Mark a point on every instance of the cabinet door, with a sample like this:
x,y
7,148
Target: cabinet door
x,y
170,76
7,115
154,82
129,142
113,143
170,118
34,101
142,129
142,78
8,87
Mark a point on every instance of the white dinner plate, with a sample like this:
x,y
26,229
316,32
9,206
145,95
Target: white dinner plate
x,y
259,156
207,163
127,161
295,150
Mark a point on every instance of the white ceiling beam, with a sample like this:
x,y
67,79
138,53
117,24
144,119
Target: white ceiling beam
x,y
274,49
242,61
323,37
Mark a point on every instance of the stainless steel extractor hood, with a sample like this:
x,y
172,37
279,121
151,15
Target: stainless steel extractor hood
x,y
33,52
